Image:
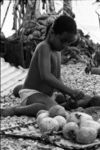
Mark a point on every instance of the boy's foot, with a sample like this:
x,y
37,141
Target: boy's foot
x,y
4,112
84,102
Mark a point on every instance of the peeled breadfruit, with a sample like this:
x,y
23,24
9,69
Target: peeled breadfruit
x,y
70,130
57,110
41,116
78,116
90,124
48,124
61,121
41,111
86,135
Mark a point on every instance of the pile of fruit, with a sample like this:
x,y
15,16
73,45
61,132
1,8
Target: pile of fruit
x,y
77,127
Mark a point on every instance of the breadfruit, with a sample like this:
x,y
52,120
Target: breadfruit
x,y
78,116
57,110
90,124
86,135
40,112
70,130
41,116
48,124
61,121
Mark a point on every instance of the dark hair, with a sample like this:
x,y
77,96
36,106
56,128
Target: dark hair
x,y
64,23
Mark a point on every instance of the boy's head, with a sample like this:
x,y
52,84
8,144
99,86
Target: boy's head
x,y
63,31
64,24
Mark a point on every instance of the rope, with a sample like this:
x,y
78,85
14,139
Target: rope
x,y
5,14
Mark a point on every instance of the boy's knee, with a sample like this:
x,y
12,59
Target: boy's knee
x,y
16,90
39,107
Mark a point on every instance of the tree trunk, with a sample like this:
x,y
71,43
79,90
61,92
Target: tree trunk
x,y
30,9
67,8
37,9
51,6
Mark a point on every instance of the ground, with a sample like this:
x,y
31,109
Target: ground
x,y
74,76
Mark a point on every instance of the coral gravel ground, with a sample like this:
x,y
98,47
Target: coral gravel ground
x,y
73,76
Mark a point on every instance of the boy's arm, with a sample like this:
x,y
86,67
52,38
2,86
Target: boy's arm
x,y
44,64
59,67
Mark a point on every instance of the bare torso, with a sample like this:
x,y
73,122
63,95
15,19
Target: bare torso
x,y
33,79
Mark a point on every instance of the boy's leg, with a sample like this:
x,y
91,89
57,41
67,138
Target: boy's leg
x,y
28,110
89,101
33,104
84,102
95,101
42,99
16,90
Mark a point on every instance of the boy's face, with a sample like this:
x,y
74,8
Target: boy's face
x,y
61,40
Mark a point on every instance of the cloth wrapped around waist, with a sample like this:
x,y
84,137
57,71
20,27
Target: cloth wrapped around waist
x,y
25,93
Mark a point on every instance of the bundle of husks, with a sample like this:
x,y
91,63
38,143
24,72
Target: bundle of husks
x,y
83,50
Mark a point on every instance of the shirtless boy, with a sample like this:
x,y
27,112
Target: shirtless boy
x,y
43,77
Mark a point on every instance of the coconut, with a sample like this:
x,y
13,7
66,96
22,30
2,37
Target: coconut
x,y
48,124
70,130
61,121
86,135
57,110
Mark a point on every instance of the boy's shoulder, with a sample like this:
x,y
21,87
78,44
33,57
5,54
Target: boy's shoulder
x,y
42,46
43,43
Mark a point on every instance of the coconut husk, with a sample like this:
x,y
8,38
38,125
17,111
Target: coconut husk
x,y
36,34
42,22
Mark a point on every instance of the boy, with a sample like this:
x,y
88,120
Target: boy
x,y
43,77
